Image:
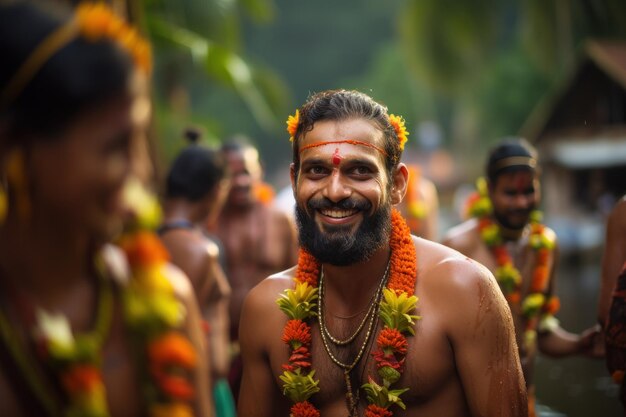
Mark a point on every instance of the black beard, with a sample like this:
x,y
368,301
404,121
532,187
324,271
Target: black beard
x,y
340,246
503,219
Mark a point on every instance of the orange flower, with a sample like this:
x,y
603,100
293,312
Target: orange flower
x,y
543,255
403,268
540,278
172,351
172,348
398,125
618,377
304,409
308,269
552,306
514,297
292,125
373,410
483,223
297,333
81,378
143,249
502,256
300,358
97,21
264,193
391,340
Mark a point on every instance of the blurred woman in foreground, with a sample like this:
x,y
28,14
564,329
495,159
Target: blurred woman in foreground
x,y
85,329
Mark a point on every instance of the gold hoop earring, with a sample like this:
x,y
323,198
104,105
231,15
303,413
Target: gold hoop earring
x,y
17,180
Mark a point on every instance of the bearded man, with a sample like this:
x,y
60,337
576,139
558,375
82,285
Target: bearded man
x,y
505,235
372,321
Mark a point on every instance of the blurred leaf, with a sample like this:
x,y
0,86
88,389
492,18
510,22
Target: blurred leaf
x,y
259,10
220,63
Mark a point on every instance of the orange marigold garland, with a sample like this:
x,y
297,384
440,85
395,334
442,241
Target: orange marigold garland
x,y
537,309
396,308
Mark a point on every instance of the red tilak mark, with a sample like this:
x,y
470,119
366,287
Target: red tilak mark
x,y
336,157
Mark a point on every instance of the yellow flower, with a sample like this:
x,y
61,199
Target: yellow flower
x,y
299,387
299,303
292,125
491,234
417,209
398,124
532,304
395,309
152,279
142,204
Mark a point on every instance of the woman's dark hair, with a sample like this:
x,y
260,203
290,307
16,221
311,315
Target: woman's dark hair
x,y
77,77
196,170
510,155
343,105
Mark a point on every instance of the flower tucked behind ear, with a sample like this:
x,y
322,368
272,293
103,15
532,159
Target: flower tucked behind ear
x,y
398,124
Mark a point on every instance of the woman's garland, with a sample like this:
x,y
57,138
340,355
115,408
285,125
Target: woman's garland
x,y
153,315
399,302
537,309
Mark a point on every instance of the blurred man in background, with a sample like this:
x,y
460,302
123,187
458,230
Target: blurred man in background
x,y
505,235
258,239
196,188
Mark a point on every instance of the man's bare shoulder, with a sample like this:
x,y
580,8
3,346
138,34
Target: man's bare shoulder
x,y
453,282
440,262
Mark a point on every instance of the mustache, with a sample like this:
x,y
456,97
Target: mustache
x,y
519,212
345,204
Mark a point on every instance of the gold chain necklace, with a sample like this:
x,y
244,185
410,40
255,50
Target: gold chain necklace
x,y
367,316
372,315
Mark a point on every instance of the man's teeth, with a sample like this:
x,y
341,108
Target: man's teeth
x,y
338,214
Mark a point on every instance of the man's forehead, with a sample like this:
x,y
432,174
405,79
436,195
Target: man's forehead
x,y
516,177
344,137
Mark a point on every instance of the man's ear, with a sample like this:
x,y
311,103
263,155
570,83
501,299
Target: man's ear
x,y
399,180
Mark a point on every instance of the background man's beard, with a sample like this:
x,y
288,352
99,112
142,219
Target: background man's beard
x,y
503,219
343,247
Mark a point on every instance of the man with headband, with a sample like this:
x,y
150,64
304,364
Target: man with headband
x,y
372,321
505,235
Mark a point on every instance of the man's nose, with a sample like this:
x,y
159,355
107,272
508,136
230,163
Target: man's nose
x,y
522,200
335,188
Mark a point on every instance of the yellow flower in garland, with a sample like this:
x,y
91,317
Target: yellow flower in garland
x,y
508,277
395,309
299,303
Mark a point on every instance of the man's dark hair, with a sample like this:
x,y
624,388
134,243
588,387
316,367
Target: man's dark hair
x,y
76,78
511,155
341,105
196,171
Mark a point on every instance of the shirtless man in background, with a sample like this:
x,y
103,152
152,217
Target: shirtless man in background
x,y
258,240
505,235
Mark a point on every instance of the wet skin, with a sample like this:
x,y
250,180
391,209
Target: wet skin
x,y
462,360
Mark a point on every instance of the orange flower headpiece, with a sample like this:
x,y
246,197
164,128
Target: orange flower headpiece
x,y
93,22
398,124
292,125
